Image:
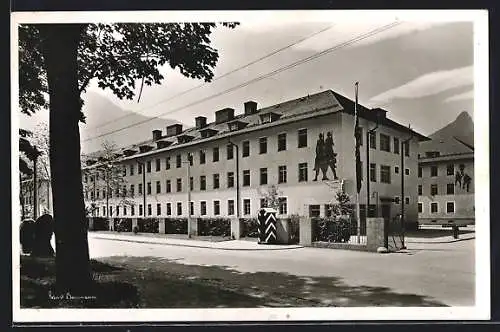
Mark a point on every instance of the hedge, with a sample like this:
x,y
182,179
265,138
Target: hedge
x,y
148,225
249,227
176,225
100,224
214,227
332,229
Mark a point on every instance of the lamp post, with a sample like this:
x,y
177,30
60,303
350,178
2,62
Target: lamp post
x,y
188,184
237,178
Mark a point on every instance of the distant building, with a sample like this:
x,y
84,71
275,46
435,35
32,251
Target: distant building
x,y
446,182
236,157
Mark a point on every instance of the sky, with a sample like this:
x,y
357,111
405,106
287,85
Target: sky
x,y
421,72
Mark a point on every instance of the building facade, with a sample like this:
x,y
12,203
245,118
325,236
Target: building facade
x,y
446,183
27,198
224,168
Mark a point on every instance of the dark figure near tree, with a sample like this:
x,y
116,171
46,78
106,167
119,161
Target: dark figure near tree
x,y
27,235
325,157
44,228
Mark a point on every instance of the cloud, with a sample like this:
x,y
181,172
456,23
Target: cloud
x,y
460,97
429,84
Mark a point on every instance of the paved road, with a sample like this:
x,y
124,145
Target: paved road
x,y
441,272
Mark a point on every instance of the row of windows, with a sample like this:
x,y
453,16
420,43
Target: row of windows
x,y
450,170
282,208
434,207
450,189
281,140
385,173
385,143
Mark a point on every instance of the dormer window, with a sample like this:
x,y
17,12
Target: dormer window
x,y
269,117
145,148
163,144
236,125
205,133
184,139
432,154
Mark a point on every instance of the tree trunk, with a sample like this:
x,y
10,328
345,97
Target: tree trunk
x,y
60,44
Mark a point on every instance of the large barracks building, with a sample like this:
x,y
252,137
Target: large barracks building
x,y
235,158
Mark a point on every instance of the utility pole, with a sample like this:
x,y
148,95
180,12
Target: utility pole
x,y
188,184
237,178
368,134
357,162
403,152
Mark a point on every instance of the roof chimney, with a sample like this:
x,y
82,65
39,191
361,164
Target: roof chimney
x,y
174,129
201,122
224,115
156,134
379,112
250,107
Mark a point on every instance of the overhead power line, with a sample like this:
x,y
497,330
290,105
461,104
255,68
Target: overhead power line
x,y
259,78
217,78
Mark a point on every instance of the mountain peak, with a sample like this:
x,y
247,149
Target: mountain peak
x,y
462,127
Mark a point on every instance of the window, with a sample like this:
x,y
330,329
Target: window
x,y
407,171
216,181
149,188
385,174
169,209
420,189
158,209
450,189
303,172
434,171
373,172
179,185
263,176
420,172
203,208
246,149
167,163
178,161
168,186
434,207
103,210
216,208
97,193
314,210
385,143
373,140
396,169
229,151
140,188
190,159
407,200
117,211
158,165
246,177
139,168
450,169
282,142
202,157
110,210
230,179
203,182
158,187
140,209
149,210
450,207
396,200
148,166
302,138
396,145
282,205
282,174
246,206
179,208
230,207
131,171
191,208
263,203
434,189
132,210
420,207
215,154
263,145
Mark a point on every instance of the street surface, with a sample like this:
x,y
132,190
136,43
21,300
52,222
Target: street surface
x,y
435,273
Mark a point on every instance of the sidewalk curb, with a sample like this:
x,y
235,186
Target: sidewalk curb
x,y
442,242
192,246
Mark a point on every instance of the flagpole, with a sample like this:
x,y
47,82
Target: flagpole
x,y
356,143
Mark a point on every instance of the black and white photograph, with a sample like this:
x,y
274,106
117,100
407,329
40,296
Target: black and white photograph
x,y
250,166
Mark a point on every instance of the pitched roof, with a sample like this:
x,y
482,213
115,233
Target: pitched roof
x,y
445,146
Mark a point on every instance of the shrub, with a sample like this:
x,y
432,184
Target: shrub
x,y
332,229
214,227
123,225
100,224
175,225
249,227
148,225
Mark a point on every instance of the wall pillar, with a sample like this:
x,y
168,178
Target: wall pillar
x,y
161,225
91,224
134,223
236,228
305,230
194,226
282,231
374,233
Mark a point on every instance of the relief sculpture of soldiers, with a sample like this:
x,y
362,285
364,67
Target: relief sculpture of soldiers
x,y
326,158
462,179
